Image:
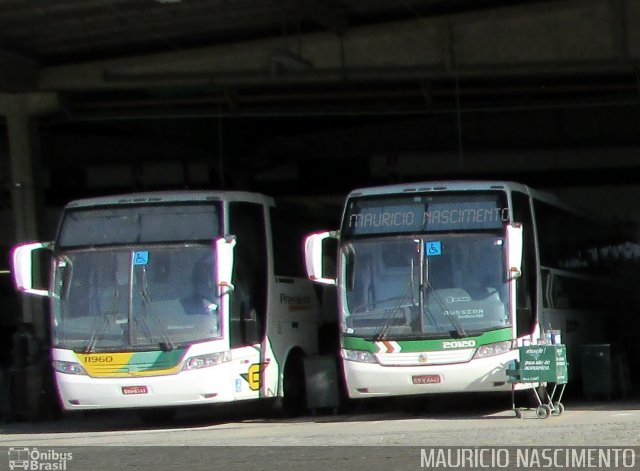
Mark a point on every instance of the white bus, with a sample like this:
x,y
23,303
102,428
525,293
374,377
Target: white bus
x,y
176,298
440,282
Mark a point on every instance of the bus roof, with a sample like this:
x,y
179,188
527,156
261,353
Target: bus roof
x,y
170,197
454,185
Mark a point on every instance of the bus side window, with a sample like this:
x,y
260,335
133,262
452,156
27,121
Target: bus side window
x,y
526,285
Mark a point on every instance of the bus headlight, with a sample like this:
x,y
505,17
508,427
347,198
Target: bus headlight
x,y
205,361
493,349
68,367
361,356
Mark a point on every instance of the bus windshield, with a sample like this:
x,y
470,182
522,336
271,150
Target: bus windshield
x,y
445,285
135,298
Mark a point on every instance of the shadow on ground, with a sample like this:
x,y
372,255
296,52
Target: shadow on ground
x,y
449,407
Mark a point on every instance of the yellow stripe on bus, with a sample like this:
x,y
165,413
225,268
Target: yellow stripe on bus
x,y
120,365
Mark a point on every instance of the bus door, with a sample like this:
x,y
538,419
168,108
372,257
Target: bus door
x,y
248,302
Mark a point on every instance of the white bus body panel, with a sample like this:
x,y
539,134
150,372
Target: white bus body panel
x,y
244,377
294,317
201,386
481,375
204,386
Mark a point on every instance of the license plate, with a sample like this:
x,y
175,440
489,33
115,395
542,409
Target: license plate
x,y
426,379
127,390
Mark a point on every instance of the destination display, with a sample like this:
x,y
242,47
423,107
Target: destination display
x,y
389,215
132,224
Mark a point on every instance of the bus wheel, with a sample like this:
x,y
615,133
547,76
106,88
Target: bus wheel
x,y
294,390
156,416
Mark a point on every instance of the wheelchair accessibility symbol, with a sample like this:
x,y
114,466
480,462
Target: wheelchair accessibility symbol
x,y
141,257
433,248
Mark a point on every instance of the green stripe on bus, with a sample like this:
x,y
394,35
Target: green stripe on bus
x,y
494,336
157,360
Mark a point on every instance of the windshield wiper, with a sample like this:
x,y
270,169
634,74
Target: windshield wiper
x,y
392,314
453,319
167,344
102,323
143,326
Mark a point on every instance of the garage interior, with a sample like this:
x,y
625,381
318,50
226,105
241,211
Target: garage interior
x,y
310,99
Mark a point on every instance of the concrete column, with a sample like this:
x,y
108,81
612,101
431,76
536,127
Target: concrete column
x,y
21,111
27,377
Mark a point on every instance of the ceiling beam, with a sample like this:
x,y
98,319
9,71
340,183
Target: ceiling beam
x,y
571,37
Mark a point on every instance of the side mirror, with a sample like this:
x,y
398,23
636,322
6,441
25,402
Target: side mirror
x,y
514,250
313,254
224,265
23,267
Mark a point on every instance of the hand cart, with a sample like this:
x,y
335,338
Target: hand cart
x,y
538,366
